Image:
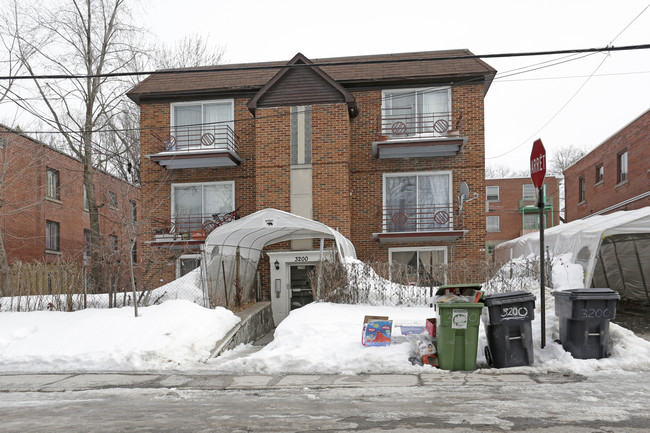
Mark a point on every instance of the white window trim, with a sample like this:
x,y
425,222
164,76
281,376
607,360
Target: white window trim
x,y
185,256
201,103
420,173
184,184
413,90
418,249
498,219
498,193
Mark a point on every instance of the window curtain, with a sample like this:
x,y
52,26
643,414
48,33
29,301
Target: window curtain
x,y
218,198
217,119
434,209
187,207
433,105
194,204
401,203
187,129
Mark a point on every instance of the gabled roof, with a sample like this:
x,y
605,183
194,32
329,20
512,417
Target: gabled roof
x,y
315,87
418,68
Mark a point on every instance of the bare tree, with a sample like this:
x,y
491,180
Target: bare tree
x,y
563,158
82,40
124,143
503,172
191,51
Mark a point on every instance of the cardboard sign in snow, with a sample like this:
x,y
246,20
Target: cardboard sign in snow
x,y
376,331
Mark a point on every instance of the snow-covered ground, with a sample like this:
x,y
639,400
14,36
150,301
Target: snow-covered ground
x,y
318,338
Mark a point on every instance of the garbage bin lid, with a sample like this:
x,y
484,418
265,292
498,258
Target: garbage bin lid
x,y
593,293
508,298
441,289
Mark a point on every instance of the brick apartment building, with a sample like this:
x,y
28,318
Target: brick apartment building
x,y
511,205
42,217
373,146
614,176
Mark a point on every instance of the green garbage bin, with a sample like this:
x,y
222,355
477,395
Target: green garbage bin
x,y
457,335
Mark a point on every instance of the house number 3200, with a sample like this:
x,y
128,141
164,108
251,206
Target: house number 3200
x,y
302,259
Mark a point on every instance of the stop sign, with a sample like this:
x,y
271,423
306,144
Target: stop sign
x,y
538,163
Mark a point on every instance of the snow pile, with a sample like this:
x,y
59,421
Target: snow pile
x,y
318,338
188,287
162,337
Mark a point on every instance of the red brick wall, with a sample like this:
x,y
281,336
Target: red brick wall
x,y
635,138
507,208
347,179
25,207
367,175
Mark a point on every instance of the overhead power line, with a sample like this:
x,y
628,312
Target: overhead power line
x,y
341,63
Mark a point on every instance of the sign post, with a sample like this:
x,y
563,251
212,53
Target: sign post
x,y
537,174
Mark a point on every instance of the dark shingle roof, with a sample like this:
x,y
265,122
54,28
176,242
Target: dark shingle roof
x,y
354,71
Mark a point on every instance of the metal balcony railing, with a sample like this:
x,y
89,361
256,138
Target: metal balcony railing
x,y
530,202
420,219
190,227
192,138
416,125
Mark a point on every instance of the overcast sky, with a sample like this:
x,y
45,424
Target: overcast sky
x,y
540,104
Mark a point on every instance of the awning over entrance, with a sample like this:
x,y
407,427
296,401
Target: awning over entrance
x,y
233,250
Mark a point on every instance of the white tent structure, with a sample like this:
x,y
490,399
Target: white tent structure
x,y
613,249
233,250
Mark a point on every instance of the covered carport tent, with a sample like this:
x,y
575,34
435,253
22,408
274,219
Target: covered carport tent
x,y
233,250
613,249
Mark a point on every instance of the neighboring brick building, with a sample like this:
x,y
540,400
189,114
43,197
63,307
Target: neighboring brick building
x,y
374,146
614,176
512,208
42,217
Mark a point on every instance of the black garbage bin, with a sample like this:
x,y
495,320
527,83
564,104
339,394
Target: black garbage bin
x,y
508,329
584,320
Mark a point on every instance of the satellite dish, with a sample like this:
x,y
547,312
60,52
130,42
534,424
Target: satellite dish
x,y
464,190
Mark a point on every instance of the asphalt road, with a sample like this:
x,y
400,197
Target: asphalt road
x,y
450,401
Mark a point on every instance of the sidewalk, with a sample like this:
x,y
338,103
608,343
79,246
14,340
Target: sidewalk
x,y
49,382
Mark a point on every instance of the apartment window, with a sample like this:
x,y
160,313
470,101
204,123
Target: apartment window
x,y
416,111
86,205
582,189
600,173
52,236
492,193
133,211
200,124
134,253
112,200
87,243
417,201
53,186
490,249
493,224
194,203
528,191
187,263
113,242
531,221
418,266
622,167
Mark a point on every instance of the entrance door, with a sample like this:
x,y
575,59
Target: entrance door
x,y
300,285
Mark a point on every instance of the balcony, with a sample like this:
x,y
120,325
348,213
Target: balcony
x,y
529,204
198,147
433,223
187,230
412,136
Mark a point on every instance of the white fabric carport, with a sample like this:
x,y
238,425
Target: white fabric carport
x,y
613,249
233,250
